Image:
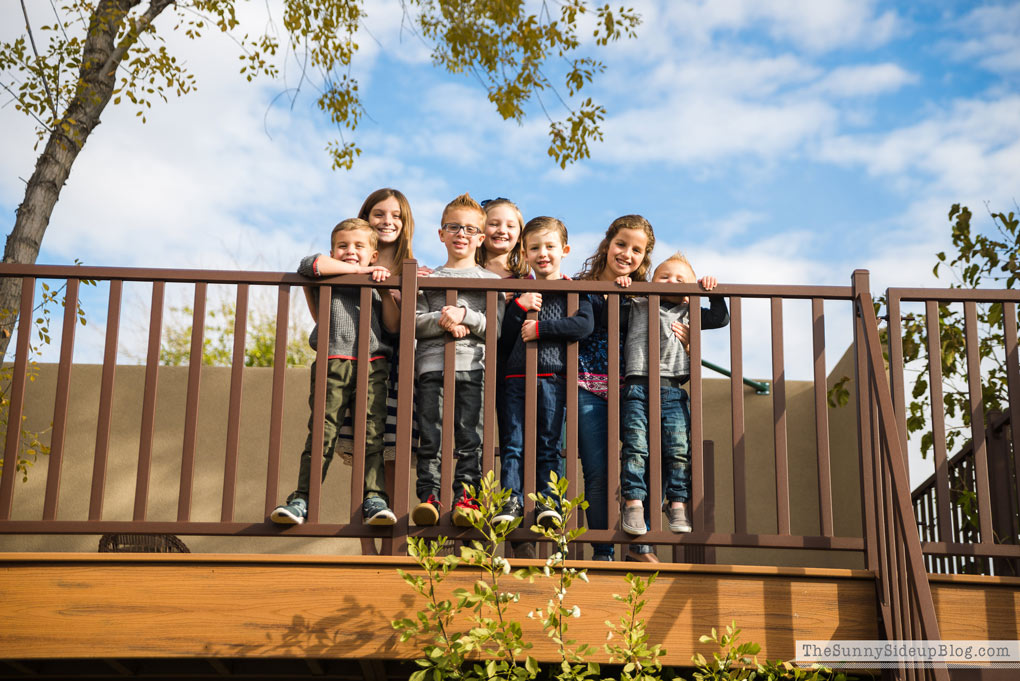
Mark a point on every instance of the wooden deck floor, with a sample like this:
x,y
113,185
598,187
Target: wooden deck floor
x,y
124,606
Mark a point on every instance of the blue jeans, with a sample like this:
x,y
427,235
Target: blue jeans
x,y
676,434
593,448
467,431
552,405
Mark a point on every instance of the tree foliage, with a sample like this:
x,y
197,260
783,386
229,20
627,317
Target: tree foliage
x,y
65,71
218,339
990,260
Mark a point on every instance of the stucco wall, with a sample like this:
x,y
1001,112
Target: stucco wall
x,y
81,436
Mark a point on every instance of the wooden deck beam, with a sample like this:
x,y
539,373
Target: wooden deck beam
x,y
122,606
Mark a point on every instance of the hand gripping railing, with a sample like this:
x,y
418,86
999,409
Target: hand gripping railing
x,y
905,600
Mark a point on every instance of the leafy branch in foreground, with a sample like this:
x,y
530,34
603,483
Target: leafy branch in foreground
x,y
557,613
492,636
738,662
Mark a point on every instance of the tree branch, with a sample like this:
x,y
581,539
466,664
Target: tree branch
x,y
35,51
137,27
27,110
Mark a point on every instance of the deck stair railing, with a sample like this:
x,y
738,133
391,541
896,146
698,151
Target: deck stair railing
x,y
907,610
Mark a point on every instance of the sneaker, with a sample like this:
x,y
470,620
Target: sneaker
x,y
512,510
548,517
464,511
374,511
293,512
427,512
602,557
634,520
678,520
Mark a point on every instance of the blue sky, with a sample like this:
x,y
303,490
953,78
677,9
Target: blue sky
x,y
775,142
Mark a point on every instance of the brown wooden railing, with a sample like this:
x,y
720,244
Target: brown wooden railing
x,y
704,535
967,510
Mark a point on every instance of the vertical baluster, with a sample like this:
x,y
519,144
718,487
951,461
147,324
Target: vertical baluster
x,y
571,420
779,420
896,369
698,504
868,469
12,443
363,367
105,402
234,407
654,499
446,496
319,402
737,418
530,426
821,420
1013,373
489,392
61,400
149,402
977,423
613,409
405,402
191,408
276,407
938,420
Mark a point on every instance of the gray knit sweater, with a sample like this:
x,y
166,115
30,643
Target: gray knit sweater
x,y
344,316
431,337
673,359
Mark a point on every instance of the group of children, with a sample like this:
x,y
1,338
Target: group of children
x,y
492,240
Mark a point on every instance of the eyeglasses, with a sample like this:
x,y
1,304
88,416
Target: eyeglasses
x,y
453,228
486,202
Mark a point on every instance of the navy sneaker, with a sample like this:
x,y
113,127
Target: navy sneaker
x,y
512,510
375,512
293,512
548,516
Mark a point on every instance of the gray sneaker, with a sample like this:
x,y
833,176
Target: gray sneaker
x,y
678,521
293,512
633,521
375,512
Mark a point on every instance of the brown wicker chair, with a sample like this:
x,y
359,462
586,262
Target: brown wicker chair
x,y
141,543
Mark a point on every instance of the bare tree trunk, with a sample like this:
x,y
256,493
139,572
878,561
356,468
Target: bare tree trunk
x,y
101,55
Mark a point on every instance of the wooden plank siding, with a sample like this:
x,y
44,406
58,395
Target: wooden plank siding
x,y
180,606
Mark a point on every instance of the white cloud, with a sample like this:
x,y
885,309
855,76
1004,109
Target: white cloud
x,y
814,26
855,81
971,147
994,40
709,128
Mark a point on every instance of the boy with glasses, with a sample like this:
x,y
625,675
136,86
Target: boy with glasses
x,y
462,233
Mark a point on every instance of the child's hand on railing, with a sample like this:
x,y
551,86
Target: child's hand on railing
x,y
529,330
377,272
450,316
708,282
682,332
623,281
530,301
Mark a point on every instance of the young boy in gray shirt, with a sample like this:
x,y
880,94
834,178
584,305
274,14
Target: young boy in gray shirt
x,y
462,233
353,250
674,362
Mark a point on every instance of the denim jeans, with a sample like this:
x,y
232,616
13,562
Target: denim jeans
x,y
341,385
676,456
552,404
593,448
467,431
